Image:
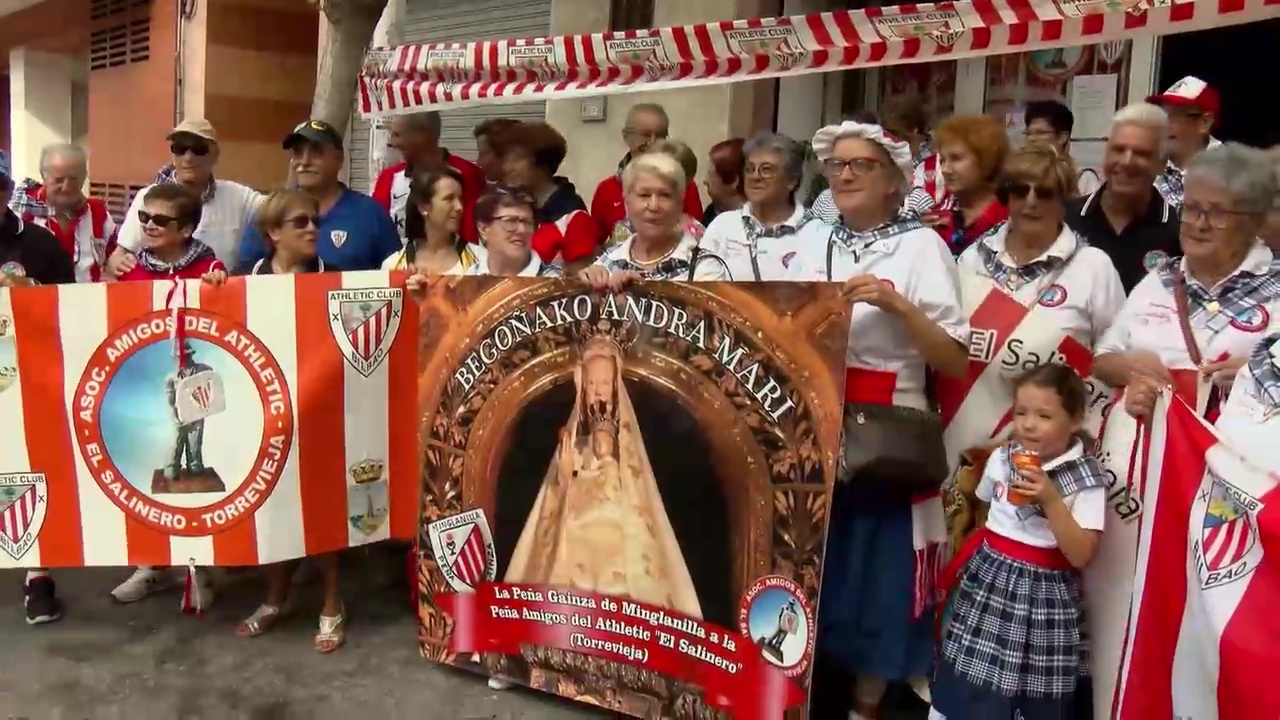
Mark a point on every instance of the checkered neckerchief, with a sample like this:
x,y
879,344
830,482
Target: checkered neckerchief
x,y
858,242
1264,364
1014,278
166,176
1240,294
754,229
1070,477
24,202
1169,182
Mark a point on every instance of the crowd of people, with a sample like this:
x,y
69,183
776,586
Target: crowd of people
x,y
944,238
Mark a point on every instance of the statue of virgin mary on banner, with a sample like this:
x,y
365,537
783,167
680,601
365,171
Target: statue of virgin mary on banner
x,y
598,523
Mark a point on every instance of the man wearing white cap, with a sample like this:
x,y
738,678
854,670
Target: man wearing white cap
x,y
228,206
1193,110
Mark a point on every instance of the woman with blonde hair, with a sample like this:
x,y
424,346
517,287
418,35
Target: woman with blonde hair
x,y
661,246
682,154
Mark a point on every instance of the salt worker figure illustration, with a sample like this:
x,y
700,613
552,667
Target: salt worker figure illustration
x,y
788,623
194,392
598,522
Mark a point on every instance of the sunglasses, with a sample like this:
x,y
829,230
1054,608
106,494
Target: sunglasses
x,y
302,222
1020,191
179,149
160,221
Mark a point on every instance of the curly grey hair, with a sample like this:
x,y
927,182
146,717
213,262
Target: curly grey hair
x,y
791,151
1244,172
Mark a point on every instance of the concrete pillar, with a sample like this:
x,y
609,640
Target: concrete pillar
x,y
40,104
800,98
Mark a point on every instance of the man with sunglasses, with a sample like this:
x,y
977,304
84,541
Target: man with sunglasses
x,y
227,207
646,123
1193,109
354,232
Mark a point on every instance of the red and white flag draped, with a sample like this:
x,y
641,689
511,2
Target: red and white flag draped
x,y
1203,635
447,75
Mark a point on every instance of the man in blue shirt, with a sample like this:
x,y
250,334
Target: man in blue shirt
x,y
355,232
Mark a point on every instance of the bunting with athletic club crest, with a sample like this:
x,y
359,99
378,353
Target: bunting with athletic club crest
x,y
170,423
409,78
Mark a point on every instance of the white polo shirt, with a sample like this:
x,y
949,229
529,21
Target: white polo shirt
x,y
709,266
1088,506
918,265
1149,319
222,220
774,249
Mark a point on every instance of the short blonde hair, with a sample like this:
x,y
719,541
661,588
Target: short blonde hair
x,y
678,150
660,165
275,208
1040,164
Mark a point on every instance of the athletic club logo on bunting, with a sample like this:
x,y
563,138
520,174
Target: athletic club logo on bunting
x,y
162,424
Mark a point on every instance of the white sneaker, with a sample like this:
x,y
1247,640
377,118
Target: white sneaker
x,y
496,684
143,582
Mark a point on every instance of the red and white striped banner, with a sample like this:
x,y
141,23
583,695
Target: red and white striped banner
x,y
410,78
277,424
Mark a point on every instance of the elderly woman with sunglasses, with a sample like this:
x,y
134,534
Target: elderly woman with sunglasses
x,y
886,532
757,240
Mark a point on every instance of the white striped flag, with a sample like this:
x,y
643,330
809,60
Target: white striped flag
x,y
285,427
1203,640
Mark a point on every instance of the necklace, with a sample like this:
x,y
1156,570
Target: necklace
x,y
631,255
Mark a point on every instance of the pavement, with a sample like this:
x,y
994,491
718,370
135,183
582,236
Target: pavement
x,y
146,661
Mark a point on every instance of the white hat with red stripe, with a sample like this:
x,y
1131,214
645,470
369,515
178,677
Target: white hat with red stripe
x,y
824,142
1189,92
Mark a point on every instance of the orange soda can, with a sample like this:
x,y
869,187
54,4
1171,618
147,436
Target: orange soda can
x,y
1023,459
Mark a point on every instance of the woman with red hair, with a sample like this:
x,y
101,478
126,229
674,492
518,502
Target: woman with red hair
x,y
971,152
724,181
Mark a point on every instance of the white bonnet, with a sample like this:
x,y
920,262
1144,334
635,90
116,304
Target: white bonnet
x,y
899,151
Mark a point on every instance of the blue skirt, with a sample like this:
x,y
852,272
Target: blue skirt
x,y
1014,642
868,587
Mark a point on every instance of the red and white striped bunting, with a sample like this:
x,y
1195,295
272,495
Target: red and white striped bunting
x,y
449,75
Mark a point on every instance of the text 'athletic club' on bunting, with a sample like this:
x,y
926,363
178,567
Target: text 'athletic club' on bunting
x,y
162,423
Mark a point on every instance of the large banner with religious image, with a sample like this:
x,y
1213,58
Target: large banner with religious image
x,y
176,423
625,495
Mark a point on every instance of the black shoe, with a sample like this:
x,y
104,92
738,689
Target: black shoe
x,y
41,600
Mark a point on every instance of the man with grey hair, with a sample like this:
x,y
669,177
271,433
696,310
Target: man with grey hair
x,y
57,202
417,137
645,123
1126,217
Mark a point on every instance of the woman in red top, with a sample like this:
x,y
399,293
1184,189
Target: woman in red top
x,y
169,216
971,151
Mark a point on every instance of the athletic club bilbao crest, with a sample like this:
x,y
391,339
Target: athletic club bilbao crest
x,y
1154,260
942,26
1053,296
540,60
463,549
364,323
447,67
649,51
338,238
1253,320
23,500
1081,8
1227,549
780,42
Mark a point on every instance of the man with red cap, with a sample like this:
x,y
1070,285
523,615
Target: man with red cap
x,y
1193,109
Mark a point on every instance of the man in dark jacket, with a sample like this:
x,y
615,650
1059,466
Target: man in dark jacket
x,y
29,254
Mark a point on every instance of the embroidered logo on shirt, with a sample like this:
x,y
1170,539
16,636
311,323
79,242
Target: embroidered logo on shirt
x,y
1252,320
1053,296
338,237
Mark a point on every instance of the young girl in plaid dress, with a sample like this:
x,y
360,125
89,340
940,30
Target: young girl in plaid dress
x,y
1013,646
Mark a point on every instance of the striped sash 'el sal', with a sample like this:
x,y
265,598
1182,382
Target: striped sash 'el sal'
x,y
291,424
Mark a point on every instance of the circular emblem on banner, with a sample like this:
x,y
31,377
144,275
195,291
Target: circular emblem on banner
x,y
1254,320
188,439
1053,296
1057,63
13,268
1154,260
775,615
786,259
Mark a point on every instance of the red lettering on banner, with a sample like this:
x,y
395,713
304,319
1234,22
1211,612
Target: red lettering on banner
x,y
731,670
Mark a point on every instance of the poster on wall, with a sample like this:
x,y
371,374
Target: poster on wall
x,y
625,495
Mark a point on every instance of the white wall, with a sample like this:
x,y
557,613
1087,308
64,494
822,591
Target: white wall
x,y
41,86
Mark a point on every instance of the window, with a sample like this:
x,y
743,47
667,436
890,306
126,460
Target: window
x,y
117,196
630,14
102,9
121,33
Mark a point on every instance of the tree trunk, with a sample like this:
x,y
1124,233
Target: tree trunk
x,y
350,29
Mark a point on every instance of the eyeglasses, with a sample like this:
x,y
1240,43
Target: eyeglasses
x,y
302,222
1216,215
766,172
645,135
858,167
511,223
1020,191
160,221
179,149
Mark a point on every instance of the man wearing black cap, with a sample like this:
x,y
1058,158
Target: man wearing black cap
x,y
355,232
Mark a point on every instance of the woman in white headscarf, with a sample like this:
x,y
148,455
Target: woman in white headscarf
x,y
886,537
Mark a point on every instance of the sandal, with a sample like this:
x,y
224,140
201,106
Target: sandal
x,y
333,632
263,619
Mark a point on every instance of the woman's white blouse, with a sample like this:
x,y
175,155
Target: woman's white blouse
x,y
918,265
708,266
1149,321
775,248
1081,302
